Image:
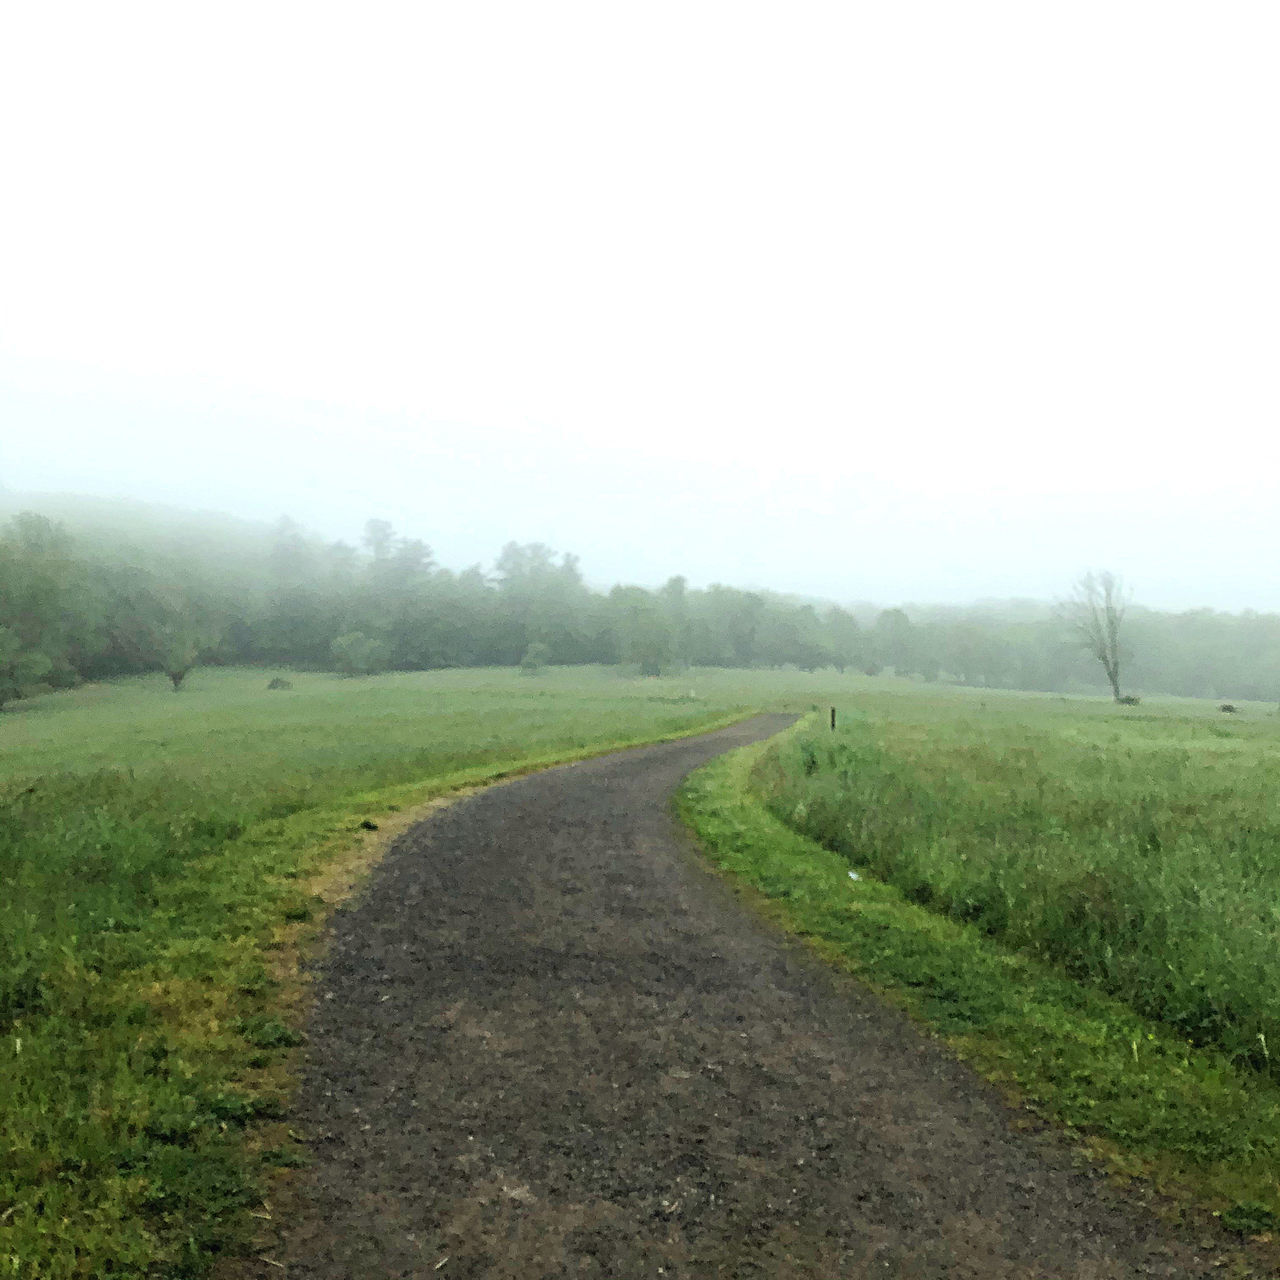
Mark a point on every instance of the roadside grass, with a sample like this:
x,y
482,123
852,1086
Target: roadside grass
x,y
1202,1128
155,914
1136,853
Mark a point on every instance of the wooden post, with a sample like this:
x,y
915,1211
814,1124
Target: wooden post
x,y
833,719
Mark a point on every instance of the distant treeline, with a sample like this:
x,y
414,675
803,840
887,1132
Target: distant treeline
x,y
77,605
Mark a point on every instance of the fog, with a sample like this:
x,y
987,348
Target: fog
x,y
898,303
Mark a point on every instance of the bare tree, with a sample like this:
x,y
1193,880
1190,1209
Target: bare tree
x,y
1095,612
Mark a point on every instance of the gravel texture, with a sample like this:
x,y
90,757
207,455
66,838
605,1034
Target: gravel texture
x,y
551,1043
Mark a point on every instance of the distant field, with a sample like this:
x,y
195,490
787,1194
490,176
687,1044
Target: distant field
x,y
1137,849
160,856
224,723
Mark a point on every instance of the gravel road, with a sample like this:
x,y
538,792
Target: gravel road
x,y
550,1043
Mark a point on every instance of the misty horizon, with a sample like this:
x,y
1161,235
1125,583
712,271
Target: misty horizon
x,y
83,511
856,308
495,486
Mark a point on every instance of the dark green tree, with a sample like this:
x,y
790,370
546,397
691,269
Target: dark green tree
x,y
844,638
19,668
893,641
642,628
356,654
536,657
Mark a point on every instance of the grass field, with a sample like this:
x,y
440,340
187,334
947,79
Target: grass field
x,y
163,856
1204,1131
1136,850
1081,898
167,858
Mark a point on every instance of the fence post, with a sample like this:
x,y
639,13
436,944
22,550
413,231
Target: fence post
x,y
833,719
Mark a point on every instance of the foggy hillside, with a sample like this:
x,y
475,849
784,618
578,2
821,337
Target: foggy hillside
x,y
91,589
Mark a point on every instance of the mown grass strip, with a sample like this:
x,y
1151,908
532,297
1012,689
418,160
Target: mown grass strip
x,y
1204,1132
144,1104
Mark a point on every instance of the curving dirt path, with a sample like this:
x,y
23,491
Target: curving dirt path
x,y
552,1044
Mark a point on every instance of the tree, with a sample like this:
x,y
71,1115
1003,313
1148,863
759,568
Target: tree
x,y
732,619
536,656
355,654
1095,613
675,601
894,641
178,658
168,629
844,637
179,644
969,656
47,598
544,601
19,667
642,630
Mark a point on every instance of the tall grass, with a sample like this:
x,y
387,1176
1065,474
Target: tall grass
x,y
1140,853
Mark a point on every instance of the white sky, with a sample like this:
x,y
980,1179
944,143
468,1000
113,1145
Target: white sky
x,y
895,301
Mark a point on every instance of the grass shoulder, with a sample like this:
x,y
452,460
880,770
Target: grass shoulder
x,y
1187,1122
144,1102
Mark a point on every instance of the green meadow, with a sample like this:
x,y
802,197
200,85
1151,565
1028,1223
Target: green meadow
x,y
167,858
1137,850
162,855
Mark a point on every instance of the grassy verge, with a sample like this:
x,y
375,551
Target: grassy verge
x,y
153,990
1135,852
1205,1131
